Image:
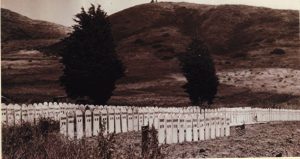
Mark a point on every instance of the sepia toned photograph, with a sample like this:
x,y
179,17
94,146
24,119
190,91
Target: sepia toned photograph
x,y
150,79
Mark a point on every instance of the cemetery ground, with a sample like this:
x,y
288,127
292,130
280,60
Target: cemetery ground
x,y
260,140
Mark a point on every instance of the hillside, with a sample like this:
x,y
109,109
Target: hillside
x,y
18,27
149,38
233,33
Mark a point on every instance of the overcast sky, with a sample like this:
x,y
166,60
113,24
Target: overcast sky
x,y
52,10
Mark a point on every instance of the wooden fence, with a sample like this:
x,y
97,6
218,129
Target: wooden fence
x,y
174,125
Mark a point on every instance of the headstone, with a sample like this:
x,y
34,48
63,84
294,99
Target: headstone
x,y
71,125
212,128
227,128
161,129
195,128
201,129
24,115
4,113
141,120
17,114
189,128
111,120
181,131
222,127
207,128
151,118
156,120
218,126
37,113
63,124
135,120
79,124
88,123
104,119
175,126
96,122
130,119
124,120
117,120
169,130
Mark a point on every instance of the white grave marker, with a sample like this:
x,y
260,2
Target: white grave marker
x,y
124,120
96,122
161,129
130,119
63,124
111,120
117,120
88,123
189,127
79,124
71,124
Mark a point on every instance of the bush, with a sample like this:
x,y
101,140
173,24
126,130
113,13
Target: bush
x,y
42,141
24,141
139,42
278,51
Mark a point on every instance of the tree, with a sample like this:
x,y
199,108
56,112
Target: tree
x,y
91,65
198,68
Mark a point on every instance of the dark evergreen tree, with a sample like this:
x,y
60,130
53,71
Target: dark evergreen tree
x,y
91,65
199,70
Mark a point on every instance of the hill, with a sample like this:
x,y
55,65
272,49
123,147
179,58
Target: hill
x,y
151,36
234,33
18,27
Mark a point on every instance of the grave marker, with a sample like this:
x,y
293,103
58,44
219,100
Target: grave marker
x,y
124,120
96,122
189,127
88,123
130,119
63,124
117,120
181,131
79,124
71,125
161,130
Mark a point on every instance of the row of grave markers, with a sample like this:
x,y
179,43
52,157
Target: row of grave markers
x,y
174,125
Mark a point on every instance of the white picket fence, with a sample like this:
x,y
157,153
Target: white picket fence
x,y
174,125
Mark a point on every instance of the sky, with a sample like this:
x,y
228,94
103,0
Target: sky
x,y
62,11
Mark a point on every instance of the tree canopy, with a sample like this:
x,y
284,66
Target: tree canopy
x,y
198,68
91,65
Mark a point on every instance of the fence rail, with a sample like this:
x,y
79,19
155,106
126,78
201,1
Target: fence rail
x,y
174,125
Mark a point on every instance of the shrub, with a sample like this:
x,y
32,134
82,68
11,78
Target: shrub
x,y
29,141
278,51
139,42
